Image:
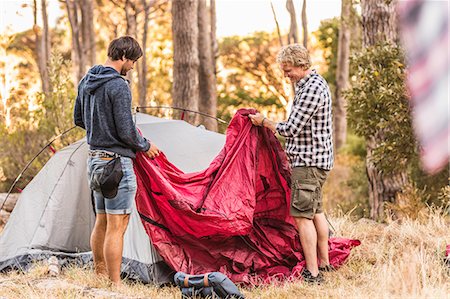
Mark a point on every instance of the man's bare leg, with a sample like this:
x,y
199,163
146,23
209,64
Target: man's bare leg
x,y
97,244
117,224
320,222
308,239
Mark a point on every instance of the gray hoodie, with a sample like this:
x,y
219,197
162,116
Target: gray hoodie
x,y
103,109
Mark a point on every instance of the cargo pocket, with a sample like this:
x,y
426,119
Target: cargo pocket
x,y
303,197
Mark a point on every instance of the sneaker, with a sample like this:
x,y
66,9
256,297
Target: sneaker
x,y
327,268
308,277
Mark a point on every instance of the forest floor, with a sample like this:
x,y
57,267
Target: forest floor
x,y
394,260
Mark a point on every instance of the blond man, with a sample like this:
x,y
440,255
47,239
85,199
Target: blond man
x,y
309,148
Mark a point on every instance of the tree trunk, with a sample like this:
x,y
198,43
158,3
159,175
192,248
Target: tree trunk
x,y
185,89
88,33
78,54
206,77
293,29
131,17
214,44
42,40
142,84
342,71
379,22
305,25
46,32
379,25
276,23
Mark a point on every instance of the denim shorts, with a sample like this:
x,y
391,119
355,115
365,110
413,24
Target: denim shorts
x,y
122,202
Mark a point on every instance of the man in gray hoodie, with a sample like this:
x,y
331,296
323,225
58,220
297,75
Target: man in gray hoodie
x,y
103,109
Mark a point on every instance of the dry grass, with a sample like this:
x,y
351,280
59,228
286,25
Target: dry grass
x,y
394,261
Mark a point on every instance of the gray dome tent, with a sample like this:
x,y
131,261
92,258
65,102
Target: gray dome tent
x,y
54,213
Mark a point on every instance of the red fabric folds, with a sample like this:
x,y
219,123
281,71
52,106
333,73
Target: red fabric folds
x,y
233,217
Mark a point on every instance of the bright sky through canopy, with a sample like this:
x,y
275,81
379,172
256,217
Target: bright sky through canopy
x,y
234,17
241,17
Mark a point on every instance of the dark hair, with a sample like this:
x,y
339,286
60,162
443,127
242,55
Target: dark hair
x,y
124,46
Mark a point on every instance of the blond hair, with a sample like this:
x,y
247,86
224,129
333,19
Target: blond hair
x,y
295,55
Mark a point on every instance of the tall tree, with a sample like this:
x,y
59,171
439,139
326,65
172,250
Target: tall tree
x,y
293,29
80,14
185,89
305,25
380,26
342,73
43,47
214,44
142,70
206,75
276,23
88,33
137,16
131,18
131,13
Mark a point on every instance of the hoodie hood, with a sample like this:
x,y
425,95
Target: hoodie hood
x,y
97,76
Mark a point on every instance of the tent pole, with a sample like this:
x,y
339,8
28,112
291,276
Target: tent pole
x,y
31,161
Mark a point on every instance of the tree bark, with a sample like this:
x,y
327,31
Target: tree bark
x,y
206,77
379,25
46,32
83,37
293,29
132,30
130,15
142,84
276,23
88,33
342,72
43,47
185,89
305,25
379,22
214,44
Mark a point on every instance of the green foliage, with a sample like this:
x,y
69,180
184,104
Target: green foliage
x,y
328,39
249,75
353,155
431,185
33,128
378,104
354,145
160,61
56,110
357,182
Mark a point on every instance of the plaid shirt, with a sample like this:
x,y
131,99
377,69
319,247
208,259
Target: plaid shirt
x,y
308,130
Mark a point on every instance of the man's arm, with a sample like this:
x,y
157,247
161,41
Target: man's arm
x,y
310,102
126,129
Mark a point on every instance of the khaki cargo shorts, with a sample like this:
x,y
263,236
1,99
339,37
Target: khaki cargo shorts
x,y
306,191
